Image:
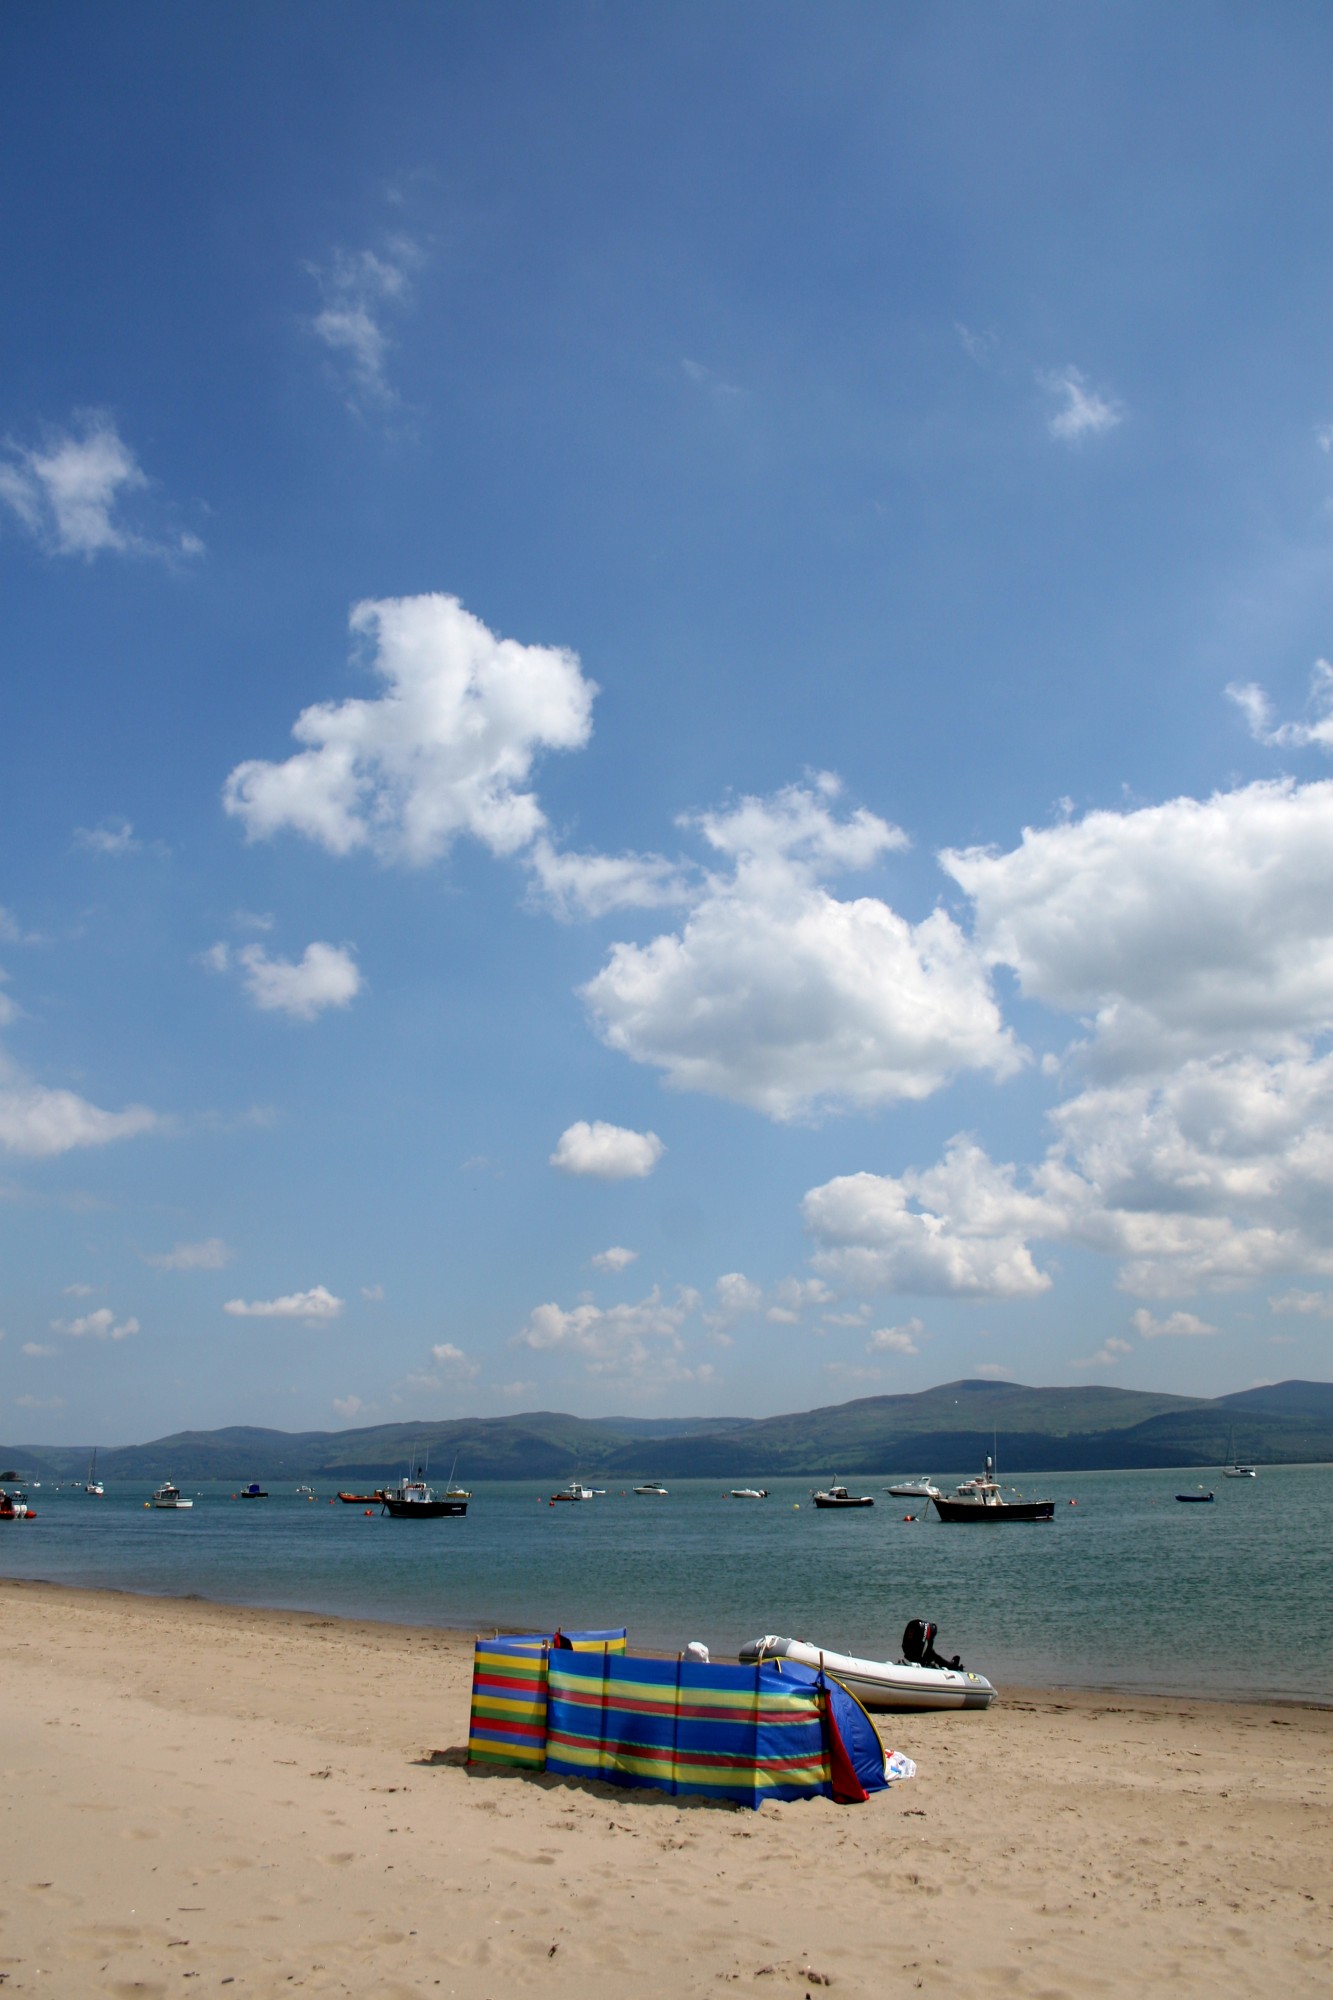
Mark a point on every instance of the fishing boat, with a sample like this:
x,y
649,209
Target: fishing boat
x,y
93,1484
982,1499
748,1493
254,1491
412,1500
167,1495
573,1491
653,1488
927,1682
838,1496
1201,1498
14,1506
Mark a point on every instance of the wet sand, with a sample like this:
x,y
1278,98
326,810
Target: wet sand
x,y
204,1799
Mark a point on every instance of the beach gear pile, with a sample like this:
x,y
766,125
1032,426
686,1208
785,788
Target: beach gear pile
x,y
580,1705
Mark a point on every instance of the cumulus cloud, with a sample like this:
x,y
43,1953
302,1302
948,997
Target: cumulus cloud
x,y
315,1307
617,1258
1107,1354
325,975
360,289
35,1350
628,1339
114,837
1255,706
446,749
607,1152
41,1123
956,1230
896,1339
1177,1326
455,1362
778,995
1182,928
69,493
993,1371
99,1325
348,1407
593,885
793,1298
1080,412
211,1255
1318,1304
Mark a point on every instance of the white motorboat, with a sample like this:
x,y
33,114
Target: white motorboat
x,y
881,1683
167,1495
654,1488
913,1489
574,1491
748,1493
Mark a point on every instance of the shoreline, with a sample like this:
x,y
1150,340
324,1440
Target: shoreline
x,y
464,1635
275,1799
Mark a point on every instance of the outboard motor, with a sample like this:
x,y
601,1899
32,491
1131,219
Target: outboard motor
x,y
919,1646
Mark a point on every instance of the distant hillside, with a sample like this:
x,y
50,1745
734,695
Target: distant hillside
x,y
1034,1430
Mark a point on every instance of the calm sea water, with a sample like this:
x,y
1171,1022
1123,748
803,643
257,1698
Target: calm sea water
x,y
1126,1588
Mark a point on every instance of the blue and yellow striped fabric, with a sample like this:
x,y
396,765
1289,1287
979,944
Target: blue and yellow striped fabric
x,y
742,1733
508,1719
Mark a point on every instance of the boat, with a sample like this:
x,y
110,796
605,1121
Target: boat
x,y
654,1488
913,1489
254,1491
14,1506
572,1492
361,1499
748,1493
838,1496
924,1683
93,1484
1233,1469
452,1491
167,1495
305,1492
412,1500
982,1499
1198,1499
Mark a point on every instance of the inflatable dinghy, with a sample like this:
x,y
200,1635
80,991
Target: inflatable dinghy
x,y
883,1683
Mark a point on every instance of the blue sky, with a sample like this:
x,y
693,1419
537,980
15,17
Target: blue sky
x,y
666,726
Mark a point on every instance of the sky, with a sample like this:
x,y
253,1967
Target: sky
x,y
667,709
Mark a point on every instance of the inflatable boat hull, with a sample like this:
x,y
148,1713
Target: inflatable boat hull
x,y
882,1684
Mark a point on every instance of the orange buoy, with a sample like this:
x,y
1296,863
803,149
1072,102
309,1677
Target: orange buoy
x,y
368,1513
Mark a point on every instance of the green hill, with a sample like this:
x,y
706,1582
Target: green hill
x,y
944,1428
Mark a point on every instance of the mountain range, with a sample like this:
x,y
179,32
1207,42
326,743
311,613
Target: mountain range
x,y
936,1430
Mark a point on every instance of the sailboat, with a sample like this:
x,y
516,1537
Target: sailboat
x,y
93,1484
1233,1469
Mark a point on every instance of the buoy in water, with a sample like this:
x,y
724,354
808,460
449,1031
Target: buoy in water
x,y
368,1512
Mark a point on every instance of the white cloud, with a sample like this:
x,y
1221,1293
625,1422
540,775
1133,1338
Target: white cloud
x,y
592,885
793,1298
212,1255
359,289
35,1350
1183,928
374,1293
39,1402
348,1407
99,1325
325,975
1082,412
710,381
42,1123
1255,706
1318,1304
115,837
1107,1354
993,1371
896,1339
77,1291
69,492
1177,1326
616,1340
455,1362
617,1258
737,1298
955,1230
448,747
777,995
316,1307
608,1152
1323,437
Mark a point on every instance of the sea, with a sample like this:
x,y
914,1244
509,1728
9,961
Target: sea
x,y
1125,1589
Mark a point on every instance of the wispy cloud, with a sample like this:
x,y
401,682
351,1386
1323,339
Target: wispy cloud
x,y
360,290
99,1325
1081,411
70,493
1107,1354
617,1258
212,1255
709,381
1254,705
1177,1326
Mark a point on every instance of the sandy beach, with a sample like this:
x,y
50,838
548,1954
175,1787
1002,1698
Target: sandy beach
x,y
200,1798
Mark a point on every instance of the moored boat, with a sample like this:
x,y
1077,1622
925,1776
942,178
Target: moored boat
x,y
254,1491
93,1484
361,1499
982,1499
913,1489
167,1495
574,1491
838,1496
653,1488
898,1684
1201,1498
748,1493
412,1500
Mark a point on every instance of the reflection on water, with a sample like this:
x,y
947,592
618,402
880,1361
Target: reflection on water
x,y
1126,1588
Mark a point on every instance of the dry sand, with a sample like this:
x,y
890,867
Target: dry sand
x,y
200,1799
